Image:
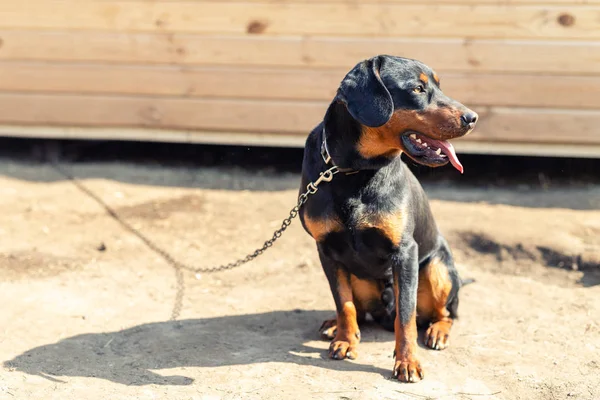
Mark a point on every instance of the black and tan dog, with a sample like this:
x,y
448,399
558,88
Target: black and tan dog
x,y
377,240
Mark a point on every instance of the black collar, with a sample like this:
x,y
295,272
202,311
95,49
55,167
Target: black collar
x,y
327,156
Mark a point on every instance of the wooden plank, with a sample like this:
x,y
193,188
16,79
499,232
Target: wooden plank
x,y
287,84
499,124
155,135
209,114
286,117
227,82
524,90
431,2
303,52
277,140
390,20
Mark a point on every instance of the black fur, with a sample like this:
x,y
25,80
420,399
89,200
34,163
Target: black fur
x,y
368,96
365,95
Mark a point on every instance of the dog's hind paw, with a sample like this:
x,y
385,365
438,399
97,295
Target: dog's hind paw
x,y
328,329
437,336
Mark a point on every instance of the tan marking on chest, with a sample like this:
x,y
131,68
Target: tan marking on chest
x,y
366,293
391,225
318,228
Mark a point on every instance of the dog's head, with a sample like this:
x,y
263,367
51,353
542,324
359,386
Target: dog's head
x,y
401,108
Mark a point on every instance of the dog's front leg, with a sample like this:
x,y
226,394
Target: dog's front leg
x,y
347,334
406,276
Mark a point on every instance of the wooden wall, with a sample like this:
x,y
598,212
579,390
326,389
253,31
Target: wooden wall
x,y
262,72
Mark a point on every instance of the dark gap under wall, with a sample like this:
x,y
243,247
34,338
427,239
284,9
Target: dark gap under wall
x,y
491,170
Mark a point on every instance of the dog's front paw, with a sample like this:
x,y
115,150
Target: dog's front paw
x,y
328,329
408,370
437,336
341,349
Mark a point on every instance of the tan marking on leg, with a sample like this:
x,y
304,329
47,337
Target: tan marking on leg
x,y
347,335
347,318
434,288
407,367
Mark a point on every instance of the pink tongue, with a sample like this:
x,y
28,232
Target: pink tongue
x,y
448,150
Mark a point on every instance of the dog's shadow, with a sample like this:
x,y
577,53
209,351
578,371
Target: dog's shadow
x,y
129,356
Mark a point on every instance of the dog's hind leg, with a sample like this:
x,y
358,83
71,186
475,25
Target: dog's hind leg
x,y
437,297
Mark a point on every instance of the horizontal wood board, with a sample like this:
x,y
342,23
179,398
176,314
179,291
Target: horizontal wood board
x,y
282,117
504,21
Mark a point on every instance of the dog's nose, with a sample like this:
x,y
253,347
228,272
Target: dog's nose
x,y
469,118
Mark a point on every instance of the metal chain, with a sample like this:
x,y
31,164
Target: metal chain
x,y
178,266
311,189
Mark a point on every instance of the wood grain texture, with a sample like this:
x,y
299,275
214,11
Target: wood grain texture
x,y
432,2
556,57
497,124
209,114
288,84
506,21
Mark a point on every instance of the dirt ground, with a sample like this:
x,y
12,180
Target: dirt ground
x,y
86,304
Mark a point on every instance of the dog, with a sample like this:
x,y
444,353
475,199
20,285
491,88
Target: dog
x,y
377,240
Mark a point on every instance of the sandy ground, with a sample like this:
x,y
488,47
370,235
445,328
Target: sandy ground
x,y
86,304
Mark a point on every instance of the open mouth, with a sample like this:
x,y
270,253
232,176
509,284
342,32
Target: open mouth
x,y
425,150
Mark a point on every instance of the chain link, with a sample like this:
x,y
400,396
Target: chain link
x,y
178,266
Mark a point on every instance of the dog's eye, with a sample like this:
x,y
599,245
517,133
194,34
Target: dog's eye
x,y
419,89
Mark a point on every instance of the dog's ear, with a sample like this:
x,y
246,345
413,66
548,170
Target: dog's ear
x,y
366,97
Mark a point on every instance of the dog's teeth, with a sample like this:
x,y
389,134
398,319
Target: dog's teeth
x,y
418,140
438,151
425,144
443,155
413,136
